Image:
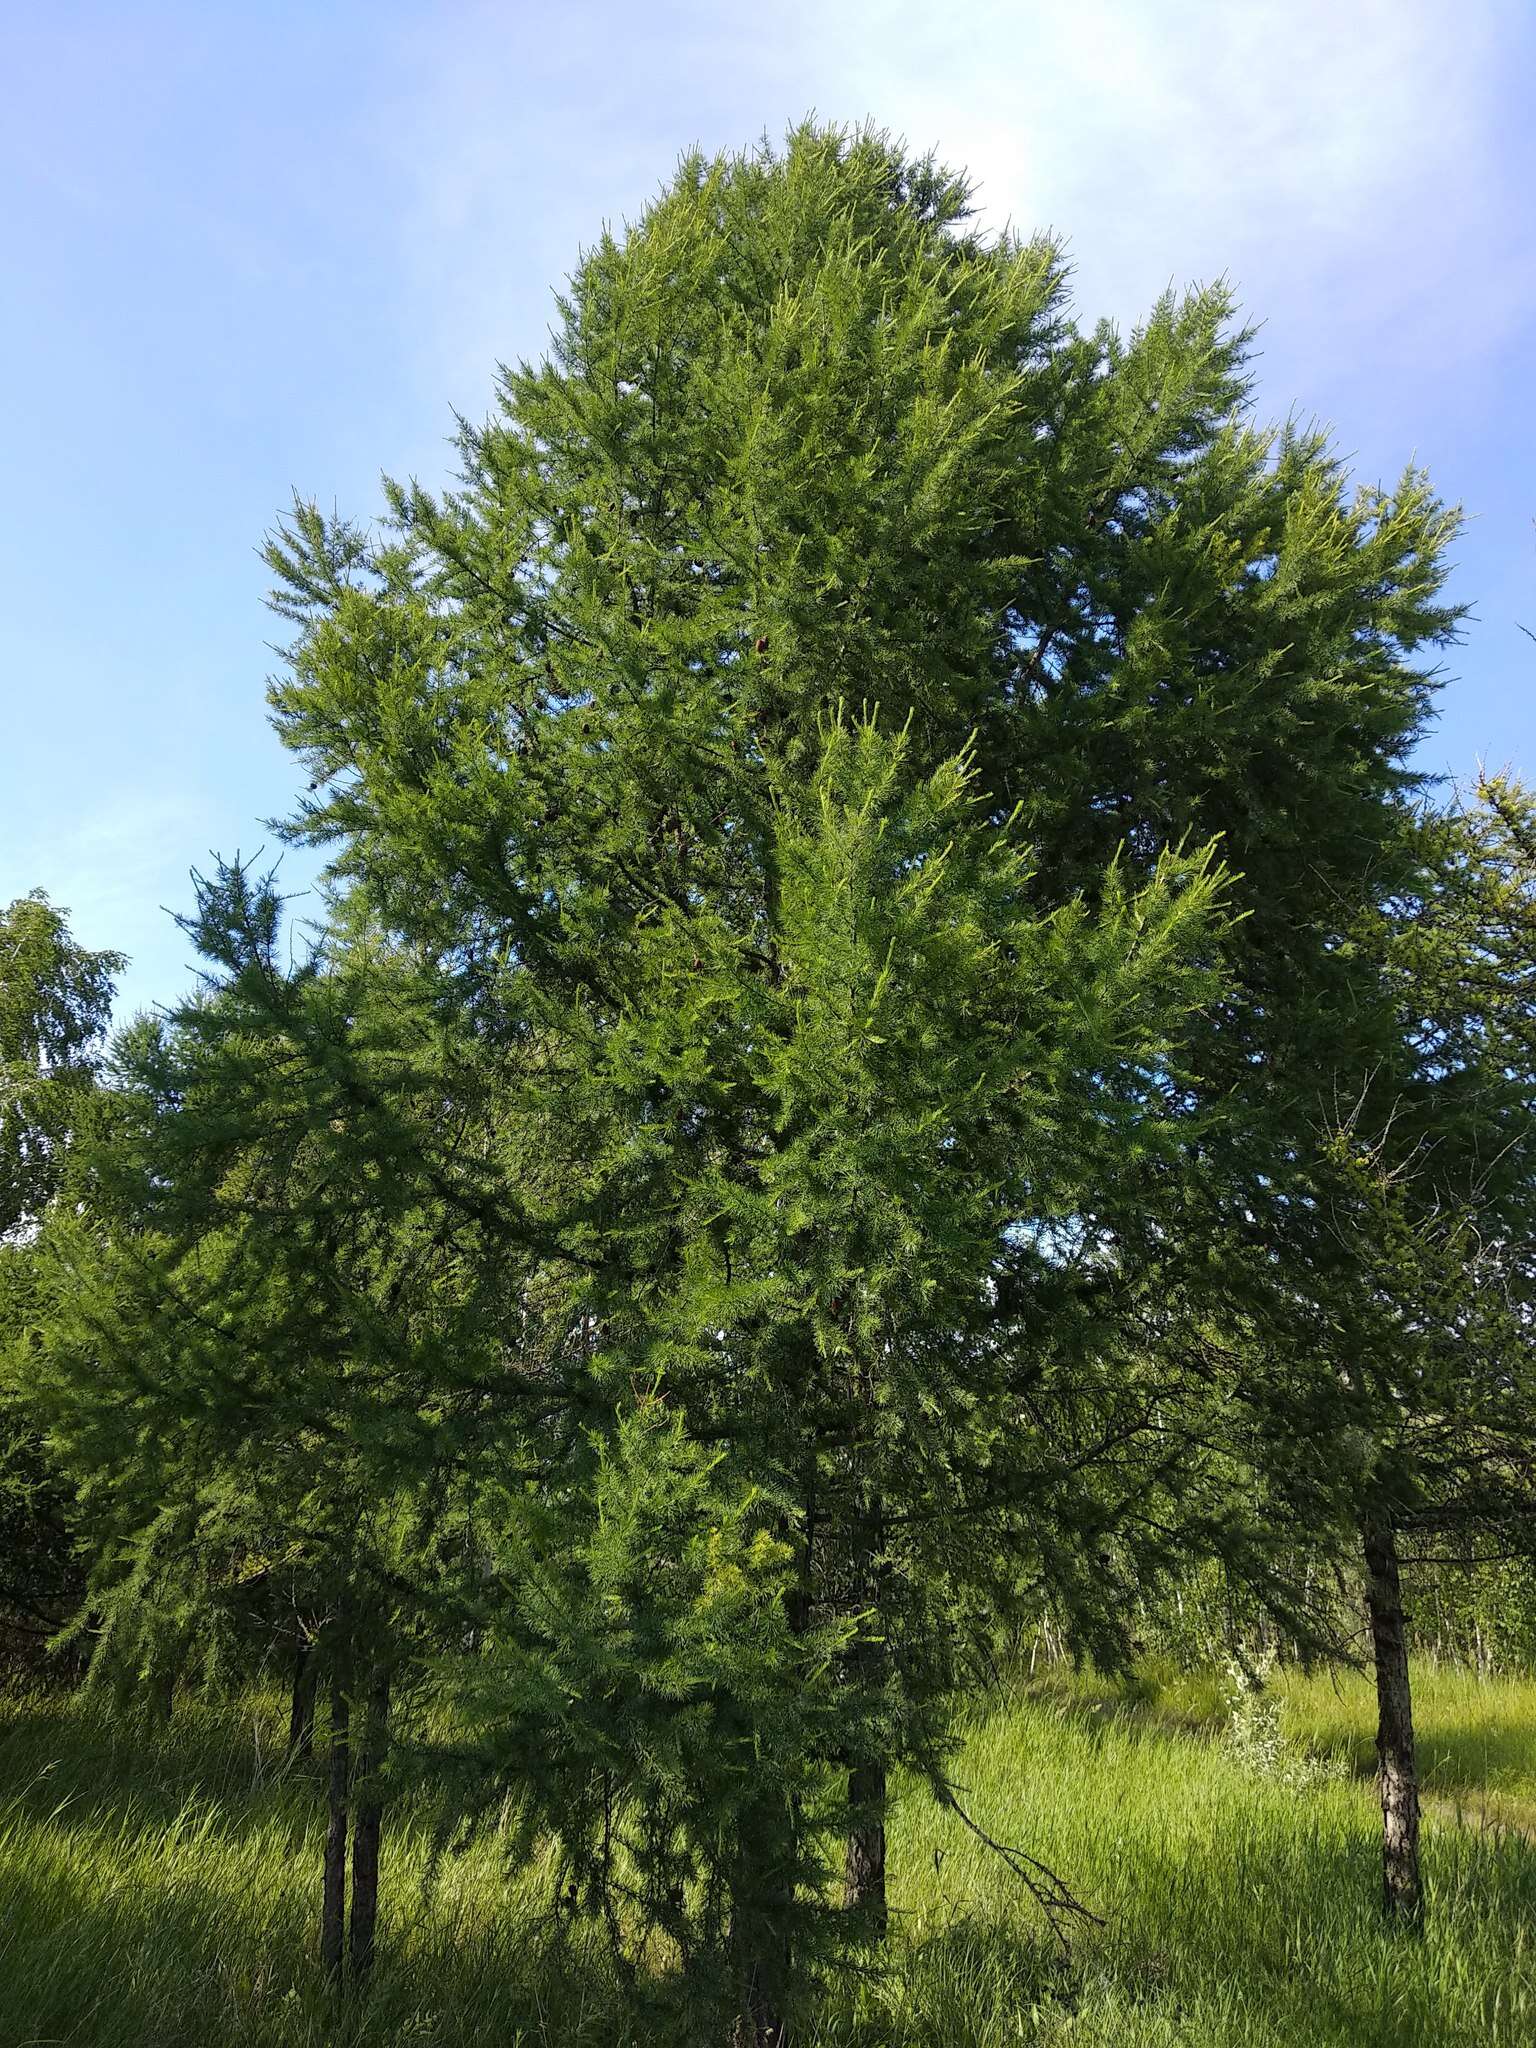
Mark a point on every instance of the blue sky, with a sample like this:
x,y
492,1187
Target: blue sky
x,y
252,249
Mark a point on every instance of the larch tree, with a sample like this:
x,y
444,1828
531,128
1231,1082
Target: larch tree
x,y
824,584
1435,1206
262,1336
862,793
55,1006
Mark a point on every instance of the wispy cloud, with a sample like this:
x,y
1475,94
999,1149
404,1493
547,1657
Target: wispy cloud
x,y
1345,156
1341,159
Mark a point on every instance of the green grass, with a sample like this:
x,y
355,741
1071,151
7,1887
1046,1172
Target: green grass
x,y
1477,1737
160,1891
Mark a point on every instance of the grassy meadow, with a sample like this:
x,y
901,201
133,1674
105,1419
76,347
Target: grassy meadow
x,y
159,1889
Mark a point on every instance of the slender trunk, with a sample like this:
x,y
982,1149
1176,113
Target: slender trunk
x,y
762,1901
760,1940
366,1831
864,1854
301,1713
1402,1890
762,2024
864,1861
333,1906
764,1961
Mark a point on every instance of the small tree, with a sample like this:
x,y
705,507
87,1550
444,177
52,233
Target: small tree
x,y
1436,1201
263,1332
55,1002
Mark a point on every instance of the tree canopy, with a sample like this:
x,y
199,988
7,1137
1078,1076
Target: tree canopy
x,y
872,840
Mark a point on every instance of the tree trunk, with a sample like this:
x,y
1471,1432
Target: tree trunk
x,y
760,1942
301,1713
762,2026
864,1855
1402,1890
333,1905
765,1971
864,1861
366,1831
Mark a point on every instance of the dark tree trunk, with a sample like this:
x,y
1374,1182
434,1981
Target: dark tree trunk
x,y
366,1832
301,1713
333,1904
1402,1890
762,2024
864,1854
864,1861
760,1940
765,1972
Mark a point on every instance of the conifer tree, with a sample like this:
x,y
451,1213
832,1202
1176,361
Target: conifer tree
x,y
806,439
55,1003
1434,1204
263,1332
866,1133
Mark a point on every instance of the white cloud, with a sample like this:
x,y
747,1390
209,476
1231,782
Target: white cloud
x,y
1339,161
1326,150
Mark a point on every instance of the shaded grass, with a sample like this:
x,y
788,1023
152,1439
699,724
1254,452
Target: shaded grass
x,y
162,1888
1238,1910
1477,1736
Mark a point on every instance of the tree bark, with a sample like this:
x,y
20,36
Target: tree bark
x,y
763,2027
864,1854
301,1713
760,1939
333,1903
1402,1888
163,1695
864,1860
762,2023
367,1829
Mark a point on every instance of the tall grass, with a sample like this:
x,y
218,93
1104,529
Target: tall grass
x,y
159,1890
1477,1736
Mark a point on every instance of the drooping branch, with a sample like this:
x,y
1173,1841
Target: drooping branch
x,y
1050,1892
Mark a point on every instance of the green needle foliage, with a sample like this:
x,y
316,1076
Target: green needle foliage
x,y
868,1151
797,1155
55,1000
805,1134
245,1350
1440,1156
